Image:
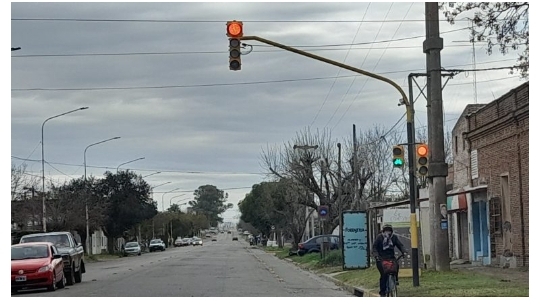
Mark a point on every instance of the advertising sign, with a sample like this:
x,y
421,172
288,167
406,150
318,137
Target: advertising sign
x,y
355,240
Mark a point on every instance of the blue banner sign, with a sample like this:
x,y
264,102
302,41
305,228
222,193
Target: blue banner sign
x,y
355,240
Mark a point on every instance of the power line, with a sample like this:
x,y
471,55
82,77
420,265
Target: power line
x,y
340,69
215,21
144,170
213,84
367,79
217,52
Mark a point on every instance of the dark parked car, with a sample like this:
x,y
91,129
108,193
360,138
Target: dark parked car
x,y
314,244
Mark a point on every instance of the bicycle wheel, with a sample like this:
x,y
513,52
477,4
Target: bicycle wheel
x,y
391,286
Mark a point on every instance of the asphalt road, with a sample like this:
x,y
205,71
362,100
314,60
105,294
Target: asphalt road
x,y
224,268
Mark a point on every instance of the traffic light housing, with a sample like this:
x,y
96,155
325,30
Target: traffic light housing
x,y
398,156
235,32
422,160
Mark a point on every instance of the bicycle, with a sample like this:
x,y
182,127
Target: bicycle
x,y
390,269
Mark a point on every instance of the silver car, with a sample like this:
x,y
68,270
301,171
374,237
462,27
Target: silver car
x,y
132,248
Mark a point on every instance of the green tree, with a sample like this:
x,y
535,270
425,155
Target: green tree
x,y
210,202
128,203
503,24
276,204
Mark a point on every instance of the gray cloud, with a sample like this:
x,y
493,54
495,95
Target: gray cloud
x,y
215,128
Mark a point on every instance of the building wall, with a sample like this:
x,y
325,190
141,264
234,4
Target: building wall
x,y
460,148
499,133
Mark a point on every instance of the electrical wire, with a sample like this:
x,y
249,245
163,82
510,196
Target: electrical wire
x,y
366,80
213,21
340,69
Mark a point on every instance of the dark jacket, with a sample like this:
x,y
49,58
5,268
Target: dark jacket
x,y
389,252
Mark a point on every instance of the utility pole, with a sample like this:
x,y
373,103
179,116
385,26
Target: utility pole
x,y
340,208
440,256
355,170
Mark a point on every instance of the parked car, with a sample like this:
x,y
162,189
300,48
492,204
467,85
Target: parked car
x,y
178,242
132,248
187,241
229,232
208,235
36,265
72,252
314,244
235,238
197,241
156,244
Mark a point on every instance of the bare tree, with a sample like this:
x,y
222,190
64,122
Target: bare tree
x,y
505,24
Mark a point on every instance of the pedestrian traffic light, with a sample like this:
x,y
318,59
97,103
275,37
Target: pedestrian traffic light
x,y
422,160
235,32
398,159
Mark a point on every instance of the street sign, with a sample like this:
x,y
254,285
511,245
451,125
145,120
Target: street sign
x,y
273,228
323,211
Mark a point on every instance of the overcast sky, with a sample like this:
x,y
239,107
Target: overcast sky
x,y
156,75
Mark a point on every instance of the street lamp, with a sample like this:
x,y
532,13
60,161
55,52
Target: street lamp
x,y
152,193
162,205
128,163
43,163
86,199
170,201
151,174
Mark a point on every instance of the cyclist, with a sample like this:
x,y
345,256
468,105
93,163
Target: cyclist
x,y
383,248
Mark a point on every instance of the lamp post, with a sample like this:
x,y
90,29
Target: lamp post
x,y
128,163
170,201
43,163
162,205
87,243
151,174
152,193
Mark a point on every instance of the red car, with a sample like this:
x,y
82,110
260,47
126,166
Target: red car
x,y
36,265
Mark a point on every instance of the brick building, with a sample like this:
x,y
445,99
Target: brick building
x,y
491,182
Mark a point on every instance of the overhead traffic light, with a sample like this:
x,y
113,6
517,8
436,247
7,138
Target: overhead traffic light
x,y
422,160
235,32
398,158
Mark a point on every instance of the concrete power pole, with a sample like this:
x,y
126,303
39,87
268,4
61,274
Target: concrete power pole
x,y
355,171
438,169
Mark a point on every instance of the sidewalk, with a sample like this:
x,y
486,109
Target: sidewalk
x,y
499,279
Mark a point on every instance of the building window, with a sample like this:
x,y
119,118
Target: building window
x,y
495,219
456,143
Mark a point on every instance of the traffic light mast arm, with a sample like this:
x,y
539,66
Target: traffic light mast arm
x,y
332,62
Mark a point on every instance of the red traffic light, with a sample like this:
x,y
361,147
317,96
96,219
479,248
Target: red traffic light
x,y
422,150
235,29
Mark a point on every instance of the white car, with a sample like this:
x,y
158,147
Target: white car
x,y
132,248
156,244
197,241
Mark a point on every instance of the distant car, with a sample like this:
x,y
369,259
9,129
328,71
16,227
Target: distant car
x,y
132,248
208,235
178,242
197,241
187,241
214,239
314,244
235,238
36,265
156,244
229,232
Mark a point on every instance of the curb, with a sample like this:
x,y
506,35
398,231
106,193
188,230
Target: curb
x,y
354,290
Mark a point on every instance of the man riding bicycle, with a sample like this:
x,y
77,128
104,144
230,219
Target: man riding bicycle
x,y
383,249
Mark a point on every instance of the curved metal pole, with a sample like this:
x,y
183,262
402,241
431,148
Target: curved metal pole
x,y
128,163
87,242
162,205
44,219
